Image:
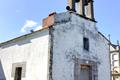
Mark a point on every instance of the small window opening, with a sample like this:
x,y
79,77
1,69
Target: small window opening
x,y
86,43
18,73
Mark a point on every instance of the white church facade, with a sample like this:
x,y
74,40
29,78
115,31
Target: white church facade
x,y
68,47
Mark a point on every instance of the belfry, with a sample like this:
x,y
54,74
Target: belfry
x,y
82,7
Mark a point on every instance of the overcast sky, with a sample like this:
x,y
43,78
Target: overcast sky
x,y
18,17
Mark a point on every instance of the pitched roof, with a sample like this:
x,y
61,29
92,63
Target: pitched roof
x,y
20,37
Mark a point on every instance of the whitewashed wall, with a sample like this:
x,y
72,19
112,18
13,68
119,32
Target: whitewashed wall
x,y
33,50
68,33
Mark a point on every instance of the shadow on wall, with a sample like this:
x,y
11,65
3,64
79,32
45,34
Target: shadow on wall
x,y
2,75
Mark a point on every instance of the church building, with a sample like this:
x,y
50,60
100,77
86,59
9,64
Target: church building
x,y
68,47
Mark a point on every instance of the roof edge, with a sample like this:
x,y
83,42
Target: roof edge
x,y
104,37
14,39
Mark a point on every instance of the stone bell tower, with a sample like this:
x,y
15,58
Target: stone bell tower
x,y
82,7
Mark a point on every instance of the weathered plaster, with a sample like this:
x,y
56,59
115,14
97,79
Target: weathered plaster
x,y
69,31
51,52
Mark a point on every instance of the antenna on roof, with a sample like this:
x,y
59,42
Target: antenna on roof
x,y
118,42
109,36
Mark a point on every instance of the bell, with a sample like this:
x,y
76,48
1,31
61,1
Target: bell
x,y
85,2
77,1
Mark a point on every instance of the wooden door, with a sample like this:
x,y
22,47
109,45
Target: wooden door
x,y
85,72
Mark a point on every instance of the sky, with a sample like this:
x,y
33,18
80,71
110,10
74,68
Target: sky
x,y
18,17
